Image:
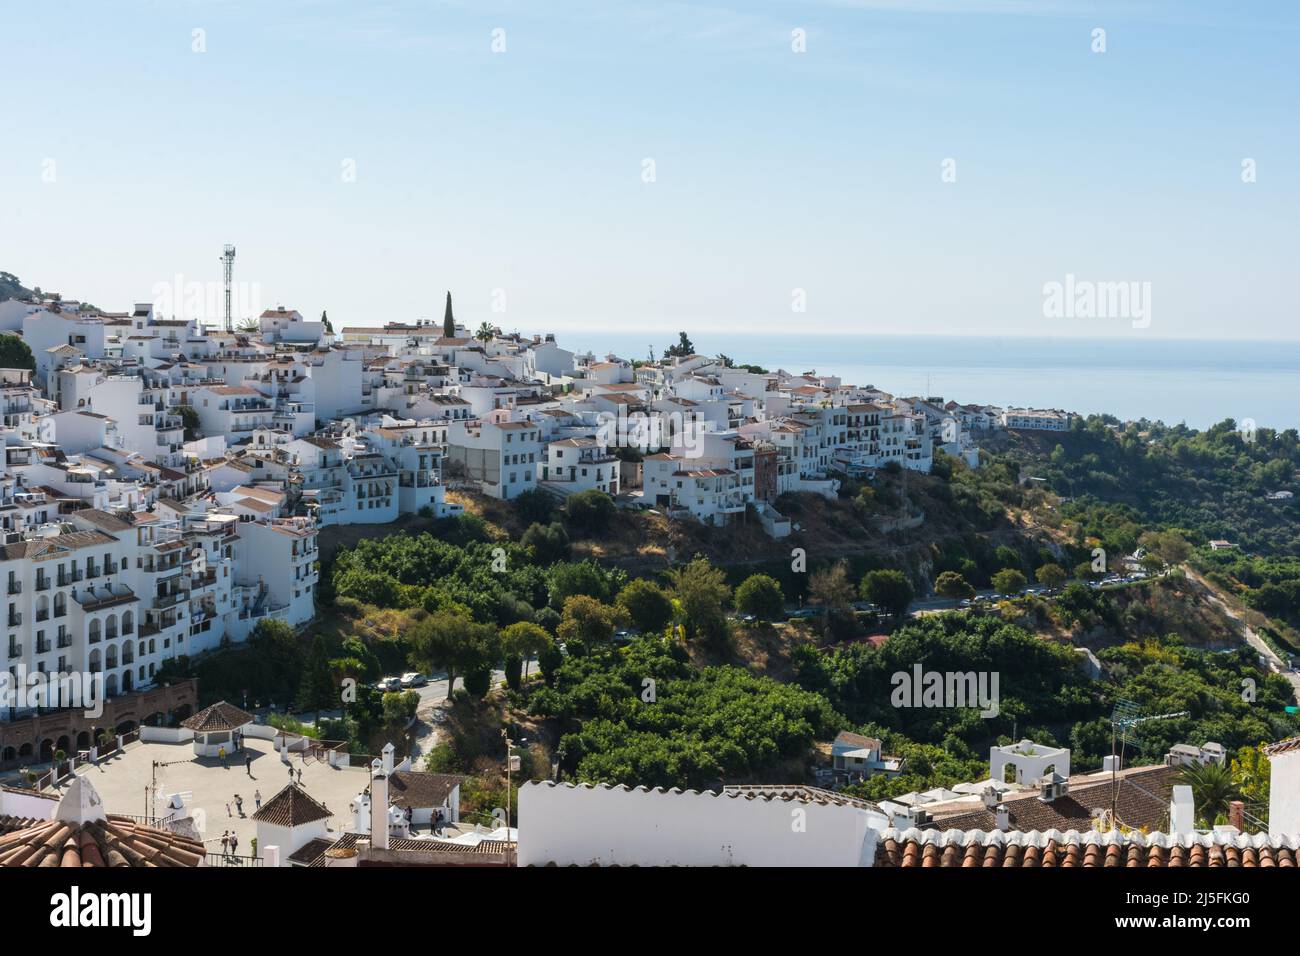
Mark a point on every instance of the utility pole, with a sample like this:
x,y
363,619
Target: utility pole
x,y
512,764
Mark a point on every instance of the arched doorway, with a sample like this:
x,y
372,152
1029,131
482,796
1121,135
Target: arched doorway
x,y
83,740
126,726
47,750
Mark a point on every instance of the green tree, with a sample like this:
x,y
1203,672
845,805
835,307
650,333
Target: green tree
x,y
15,353
587,622
888,590
1009,581
189,419
521,642
581,577
448,322
1051,575
831,589
449,641
760,595
682,349
317,691
548,543
702,592
953,586
1007,557
648,606
398,708
485,332
589,511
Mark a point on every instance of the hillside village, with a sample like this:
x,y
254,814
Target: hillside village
x,y
165,489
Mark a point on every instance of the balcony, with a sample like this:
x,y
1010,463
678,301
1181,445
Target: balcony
x,y
170,600
15,650
42,583
15,618
15,587
43,615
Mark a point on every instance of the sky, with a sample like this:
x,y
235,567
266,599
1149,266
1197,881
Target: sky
x,y
823,166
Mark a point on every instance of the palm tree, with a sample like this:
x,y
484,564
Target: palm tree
x,y
1212,790
485,333
248,325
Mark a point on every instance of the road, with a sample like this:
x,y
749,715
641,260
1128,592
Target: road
x,y
429,712
1253,639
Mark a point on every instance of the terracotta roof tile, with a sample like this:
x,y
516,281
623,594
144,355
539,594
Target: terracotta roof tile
x,y
291,807
114,841
915,848
220,716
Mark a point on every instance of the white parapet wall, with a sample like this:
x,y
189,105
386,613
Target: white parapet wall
x,y
166,735
568,825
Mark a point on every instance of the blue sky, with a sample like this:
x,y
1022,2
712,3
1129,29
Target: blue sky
x,y
521,171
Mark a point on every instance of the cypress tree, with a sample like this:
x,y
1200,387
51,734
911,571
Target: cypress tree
x,y
448,323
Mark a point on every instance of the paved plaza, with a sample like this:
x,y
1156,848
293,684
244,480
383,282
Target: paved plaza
x,y
208,786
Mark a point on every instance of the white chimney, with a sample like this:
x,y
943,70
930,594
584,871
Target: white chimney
x,y
1110,763
378,806
1182,811
361,813
387,753
991,797
1003,816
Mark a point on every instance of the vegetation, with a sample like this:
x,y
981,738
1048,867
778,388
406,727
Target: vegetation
x,y
15,353
646,715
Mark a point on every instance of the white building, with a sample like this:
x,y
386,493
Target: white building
x,y
500,457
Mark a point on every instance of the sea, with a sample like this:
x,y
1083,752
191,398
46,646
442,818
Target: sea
x,y
1194,382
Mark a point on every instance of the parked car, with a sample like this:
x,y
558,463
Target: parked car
x,y
414,679
389,683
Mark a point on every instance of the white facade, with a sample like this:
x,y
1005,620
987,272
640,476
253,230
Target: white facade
x,y
569,825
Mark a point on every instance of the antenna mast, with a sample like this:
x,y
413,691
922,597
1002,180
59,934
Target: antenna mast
x,y
228,267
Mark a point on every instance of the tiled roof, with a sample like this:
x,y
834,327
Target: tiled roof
x,y
1054,848
348,841
1142,802
292,807
419,790
1283,746
220,716
115,841
310,851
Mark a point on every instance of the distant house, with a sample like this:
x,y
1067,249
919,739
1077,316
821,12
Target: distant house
x,y
859,757
1221,545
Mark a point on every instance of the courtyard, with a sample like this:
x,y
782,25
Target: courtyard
x,y
207,787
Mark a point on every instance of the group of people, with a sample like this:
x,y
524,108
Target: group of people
x,y
239,803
